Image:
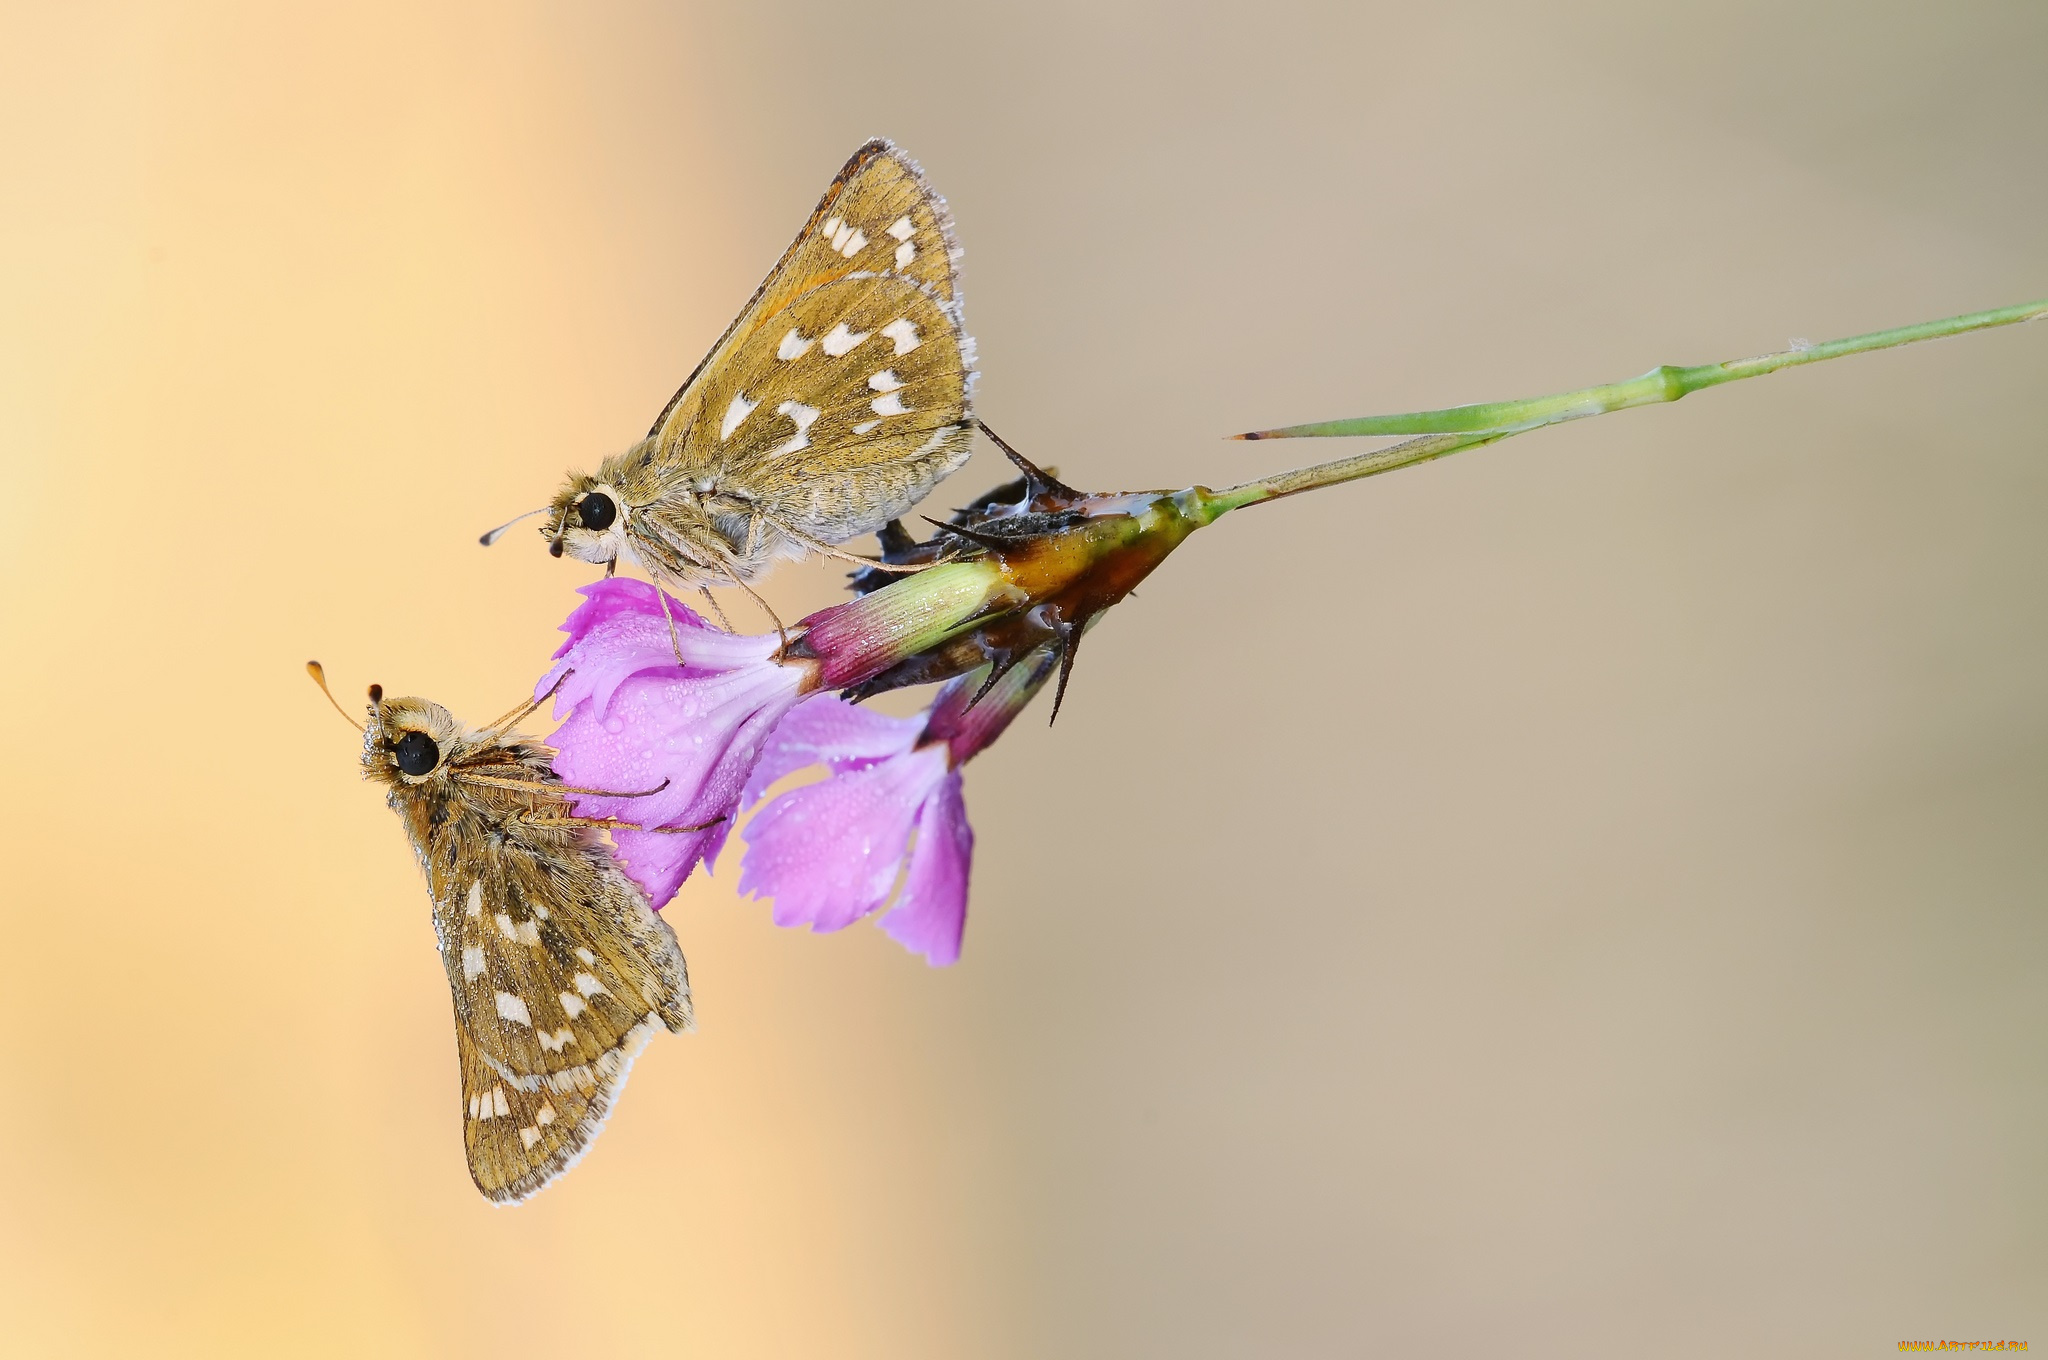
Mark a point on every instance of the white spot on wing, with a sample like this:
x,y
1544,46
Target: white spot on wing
x,y
528,1136
830,229
885,381
793,346
472,961
520,932
588,985
865,426
888,404
839,340
557,1041
585,955
802,416
498,1105
545,1115
905,253
901,228
476,899
738,411
572,1005
513,1008
853,245
904,334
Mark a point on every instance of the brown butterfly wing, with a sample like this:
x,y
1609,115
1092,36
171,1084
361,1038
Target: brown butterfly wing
x,y
848,232
845,381
844,413
560,973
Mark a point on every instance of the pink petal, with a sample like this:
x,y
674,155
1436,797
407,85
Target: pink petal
x,y
829,853
702,734
931,915
660,862
826,730
628,643
620,595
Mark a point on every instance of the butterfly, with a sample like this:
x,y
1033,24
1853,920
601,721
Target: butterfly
x,y
835,401
560,969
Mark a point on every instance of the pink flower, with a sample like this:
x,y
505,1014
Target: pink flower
x,y
670,721
633,720
672,745
830,853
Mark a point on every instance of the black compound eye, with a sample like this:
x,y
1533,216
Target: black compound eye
x,y
417,753
596,511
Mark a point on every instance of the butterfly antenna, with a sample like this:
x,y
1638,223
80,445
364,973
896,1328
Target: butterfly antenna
x,y
494,535
555,540
320,679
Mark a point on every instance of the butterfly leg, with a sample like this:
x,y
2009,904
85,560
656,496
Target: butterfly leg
x,y
614,824
535,786
674,642
670,557
732,569
819,545
518,714
711,602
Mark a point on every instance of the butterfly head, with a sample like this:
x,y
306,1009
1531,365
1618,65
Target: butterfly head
x,y
409,741
587,521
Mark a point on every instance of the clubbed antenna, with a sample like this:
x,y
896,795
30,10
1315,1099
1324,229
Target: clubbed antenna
x,y
494,535
320,678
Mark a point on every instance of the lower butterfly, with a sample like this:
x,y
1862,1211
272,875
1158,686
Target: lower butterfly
x,y
559,968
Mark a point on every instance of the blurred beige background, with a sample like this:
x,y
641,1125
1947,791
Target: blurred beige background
x,y
1582,898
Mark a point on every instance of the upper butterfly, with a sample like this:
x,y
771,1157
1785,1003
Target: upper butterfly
x,y
834,403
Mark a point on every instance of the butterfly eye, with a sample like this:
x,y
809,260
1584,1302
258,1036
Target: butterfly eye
x,y
596,511
417,753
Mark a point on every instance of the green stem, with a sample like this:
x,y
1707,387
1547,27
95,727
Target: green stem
x,y
1404,454
1666,383
1463,427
